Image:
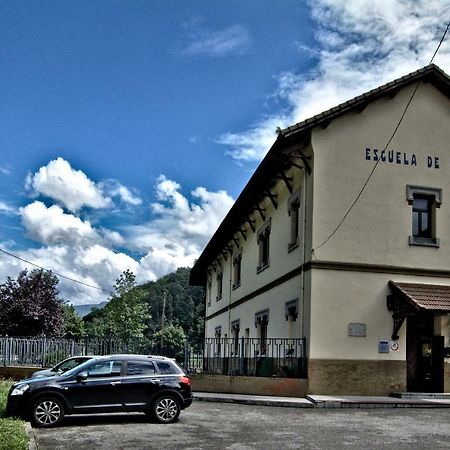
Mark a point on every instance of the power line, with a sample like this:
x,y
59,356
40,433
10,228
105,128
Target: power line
x,y
384,149
56,273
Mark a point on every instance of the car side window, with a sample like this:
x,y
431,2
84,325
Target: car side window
x,y
104,369
166,368
140,368
70,364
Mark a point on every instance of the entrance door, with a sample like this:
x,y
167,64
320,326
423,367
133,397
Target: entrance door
x,y
424,354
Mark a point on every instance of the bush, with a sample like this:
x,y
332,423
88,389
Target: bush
x,y
12,431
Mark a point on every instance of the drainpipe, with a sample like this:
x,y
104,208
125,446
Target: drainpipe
x,y
230,287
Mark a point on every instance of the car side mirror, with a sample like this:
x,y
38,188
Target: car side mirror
x,y
81,376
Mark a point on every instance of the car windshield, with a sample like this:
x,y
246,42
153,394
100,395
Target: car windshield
x,y
79,368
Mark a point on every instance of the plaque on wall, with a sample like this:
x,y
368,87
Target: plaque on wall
x,y
357,329
383,347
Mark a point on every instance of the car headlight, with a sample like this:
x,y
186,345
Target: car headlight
x,y
19,390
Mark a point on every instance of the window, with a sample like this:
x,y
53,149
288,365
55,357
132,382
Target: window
x,y
263,243
235,328
424,202
140,368
237,270
294,214
166,368
291,313
219,285
217,335
261,322
208,291
105,369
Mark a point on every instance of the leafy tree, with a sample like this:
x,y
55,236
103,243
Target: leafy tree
x,y
30,305
171,336
126,313
73,323
95,323
170,341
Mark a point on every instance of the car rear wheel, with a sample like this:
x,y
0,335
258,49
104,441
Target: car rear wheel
x,y
47,412
166,409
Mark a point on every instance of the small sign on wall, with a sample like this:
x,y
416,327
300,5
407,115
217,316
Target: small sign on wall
x,y
357,329
383,346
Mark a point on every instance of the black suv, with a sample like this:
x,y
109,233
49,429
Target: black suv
x,y
152,384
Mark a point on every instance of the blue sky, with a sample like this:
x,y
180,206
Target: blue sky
x,y
127,128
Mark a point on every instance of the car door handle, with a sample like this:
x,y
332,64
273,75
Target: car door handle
x,y
115,383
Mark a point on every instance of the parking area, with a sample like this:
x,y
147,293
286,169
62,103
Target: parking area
x,y
234,426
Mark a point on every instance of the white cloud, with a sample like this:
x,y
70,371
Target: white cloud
x,y
6,169
69,187
52,226
78,249
180,230
362,44
114,189
229,41
5,208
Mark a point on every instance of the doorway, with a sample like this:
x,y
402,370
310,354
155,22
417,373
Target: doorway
x,y
424,355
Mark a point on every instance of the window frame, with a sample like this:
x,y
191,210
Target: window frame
x,y
294,223
237,269
219,280
434,201
263,241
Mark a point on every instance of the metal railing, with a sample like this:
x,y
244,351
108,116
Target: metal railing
x,y
271,357
46,352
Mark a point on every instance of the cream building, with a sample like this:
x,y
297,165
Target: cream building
x,y
371,296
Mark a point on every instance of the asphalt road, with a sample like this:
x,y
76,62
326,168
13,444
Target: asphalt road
x,y
233,426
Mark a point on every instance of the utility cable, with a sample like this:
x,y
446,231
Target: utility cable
x,y
384,149
56,273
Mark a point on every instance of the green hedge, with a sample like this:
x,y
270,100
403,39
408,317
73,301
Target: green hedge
x,y
12,431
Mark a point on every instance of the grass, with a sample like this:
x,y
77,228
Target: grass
x,y
12,431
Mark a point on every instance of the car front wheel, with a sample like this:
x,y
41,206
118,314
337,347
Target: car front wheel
x,y
166,409
47,412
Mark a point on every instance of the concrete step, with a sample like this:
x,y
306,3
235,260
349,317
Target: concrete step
x,y
424,395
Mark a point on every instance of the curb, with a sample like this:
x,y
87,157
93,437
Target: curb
x,y
286,402
32,445
323,402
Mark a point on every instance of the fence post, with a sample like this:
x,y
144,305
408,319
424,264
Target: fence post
x,y
44,350
242,356
186,355
7,350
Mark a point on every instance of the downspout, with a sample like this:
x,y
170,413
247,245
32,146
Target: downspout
x,y
230,291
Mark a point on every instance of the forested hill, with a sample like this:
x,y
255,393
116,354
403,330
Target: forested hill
x,y
170,301
184,304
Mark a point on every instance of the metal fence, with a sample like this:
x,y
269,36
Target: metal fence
x,y
46,352
271,357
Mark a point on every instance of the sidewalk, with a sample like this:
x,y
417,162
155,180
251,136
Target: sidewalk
x,y
326,401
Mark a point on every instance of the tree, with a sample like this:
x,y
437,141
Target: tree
x,y
73,323
30,305
171,336
126,314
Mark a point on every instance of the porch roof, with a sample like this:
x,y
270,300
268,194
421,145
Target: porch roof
x,y
421,296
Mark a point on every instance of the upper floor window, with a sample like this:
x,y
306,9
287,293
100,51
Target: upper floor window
x,y
237,259
294,214
219,285
264,246
424,202
208,290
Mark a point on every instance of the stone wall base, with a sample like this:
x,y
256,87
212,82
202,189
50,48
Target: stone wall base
x,y
226,384
351,377
17,372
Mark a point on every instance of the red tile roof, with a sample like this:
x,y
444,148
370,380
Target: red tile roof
x,y
431,297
